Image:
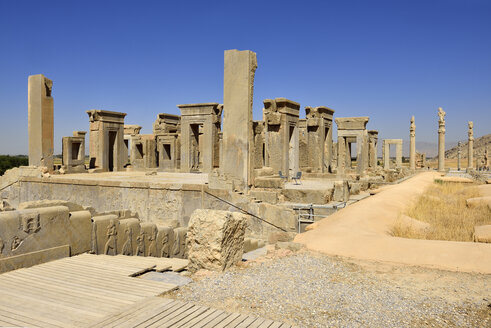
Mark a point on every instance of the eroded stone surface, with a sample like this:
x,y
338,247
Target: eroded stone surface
x,y
216,239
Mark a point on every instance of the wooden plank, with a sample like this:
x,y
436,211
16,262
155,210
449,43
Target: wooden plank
x,y
206,320
42,283
13,320
266,323
219,319
167,315
247,322
149,313
229,318
50,294
232,323
53,279
202,316
129,311
257,323
180,318
276,324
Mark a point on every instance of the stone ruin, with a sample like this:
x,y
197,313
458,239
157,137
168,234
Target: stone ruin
x,y
246,166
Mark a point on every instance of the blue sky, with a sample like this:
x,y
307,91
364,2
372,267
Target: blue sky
x,y
384,59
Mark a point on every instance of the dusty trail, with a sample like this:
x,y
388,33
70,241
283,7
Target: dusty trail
x,y
361,231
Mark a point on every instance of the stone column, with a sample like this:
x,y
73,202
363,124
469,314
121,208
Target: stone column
x,y
441,140
470,152
399,154
238,143
412,145
341,155
459,155
386,154
40,121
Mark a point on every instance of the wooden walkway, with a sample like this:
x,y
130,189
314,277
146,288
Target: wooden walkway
x,y
97,290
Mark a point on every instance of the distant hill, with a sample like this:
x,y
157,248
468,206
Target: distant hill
x,y
480,145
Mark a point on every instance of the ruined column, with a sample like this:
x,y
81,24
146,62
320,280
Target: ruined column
x,y
412,145
441,140
459,155
399,154
238,143
470,152
40,121
386,154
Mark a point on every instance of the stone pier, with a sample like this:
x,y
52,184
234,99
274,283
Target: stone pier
x,y
238,143
412,145
386,152
40,121
441,140
372,148
470,152
459,155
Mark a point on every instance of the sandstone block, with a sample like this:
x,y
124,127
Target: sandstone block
x,y
215,239
478,201
482,234
341,191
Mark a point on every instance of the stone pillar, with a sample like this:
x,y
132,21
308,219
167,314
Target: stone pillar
x,y
459,155
341,154
441,140
40,121
470,152
238,136
399,154
412,145
386,154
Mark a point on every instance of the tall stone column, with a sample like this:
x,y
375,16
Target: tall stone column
x,y
40,121
470,152
412,145
459,155
238,135
441,140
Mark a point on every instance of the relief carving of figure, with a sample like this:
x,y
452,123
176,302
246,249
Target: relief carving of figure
x,y
152,247
93,248
128,245
1,246
177,243
16,241
111,234
140,244
164,252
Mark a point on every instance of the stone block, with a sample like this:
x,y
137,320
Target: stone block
x,y
216,239
50,203
33,258
291,246
482,234
265,196
280,236
263,182
79,231
341,191
103,228
165,240
478,201
180,245
128,232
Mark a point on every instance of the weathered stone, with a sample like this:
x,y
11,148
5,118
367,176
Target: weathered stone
x,y
441,139
216,239
50,203
280,236
40,121
291,246
386,152
482,234
238,87
352,130
478,201
341,191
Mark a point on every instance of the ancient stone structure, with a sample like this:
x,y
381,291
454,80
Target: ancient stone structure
x,y
259,144
200,147
441,139
470,152
459,155
386,152
420,160
319,138
216,239
282,139
143,151
40,121
352,130
73,152
412,145
107,148
129,132
372,148
237,145
167,130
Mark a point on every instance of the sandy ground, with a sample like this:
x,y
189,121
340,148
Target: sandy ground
x,y
361,231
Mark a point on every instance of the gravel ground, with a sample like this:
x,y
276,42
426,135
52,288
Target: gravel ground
x,y
312,290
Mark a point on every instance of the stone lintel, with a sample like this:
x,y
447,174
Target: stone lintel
x,y
132,129
80,134
105,116
200,109
393,141
352,123
320,111
372,133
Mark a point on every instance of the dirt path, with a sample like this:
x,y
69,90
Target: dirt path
x,y
361,231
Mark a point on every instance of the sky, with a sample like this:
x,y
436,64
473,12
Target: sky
x,y
387,60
